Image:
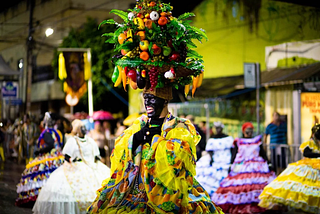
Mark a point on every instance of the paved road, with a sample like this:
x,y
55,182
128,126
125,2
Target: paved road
x,y
10,174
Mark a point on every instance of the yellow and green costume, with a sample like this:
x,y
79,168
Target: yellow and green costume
x,y
298,186
159,178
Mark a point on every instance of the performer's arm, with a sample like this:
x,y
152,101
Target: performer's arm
x,y
67,158
307,152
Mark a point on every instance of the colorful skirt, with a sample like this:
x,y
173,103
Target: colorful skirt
x,y
239,192
36,174
71,188
210,176
162,183
297,187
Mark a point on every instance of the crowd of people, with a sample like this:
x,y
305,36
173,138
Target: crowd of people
x,y
66,164
161,163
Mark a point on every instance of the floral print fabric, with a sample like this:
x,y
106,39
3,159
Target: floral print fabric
x,y
159,178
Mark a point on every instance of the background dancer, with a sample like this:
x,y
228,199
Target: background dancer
x,y
298,186
214,166
239,192
37,172
72,187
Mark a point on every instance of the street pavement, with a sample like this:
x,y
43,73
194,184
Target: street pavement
x,y
10,174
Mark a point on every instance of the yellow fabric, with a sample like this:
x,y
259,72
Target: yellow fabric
x,y
62,67
2,153
87,67
78,93
170,160
122,147
34,163
298,186
311,144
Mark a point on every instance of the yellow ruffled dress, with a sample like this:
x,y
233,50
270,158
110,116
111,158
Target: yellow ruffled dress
x,y
298,186
159,178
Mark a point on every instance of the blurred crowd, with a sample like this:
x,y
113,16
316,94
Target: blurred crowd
x,y
18,138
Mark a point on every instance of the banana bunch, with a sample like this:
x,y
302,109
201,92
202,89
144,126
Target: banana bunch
x,y
139,22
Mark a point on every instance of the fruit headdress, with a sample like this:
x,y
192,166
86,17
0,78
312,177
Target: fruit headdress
x,y
155,48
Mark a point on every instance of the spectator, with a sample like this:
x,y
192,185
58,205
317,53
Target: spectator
x,y
29,136
97,134
277,130
120,128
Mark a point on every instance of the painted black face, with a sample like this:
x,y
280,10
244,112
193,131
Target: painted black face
x,y
154,105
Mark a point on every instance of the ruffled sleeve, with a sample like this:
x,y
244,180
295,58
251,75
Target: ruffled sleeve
x,y
311,144
171,163
214,144
70,148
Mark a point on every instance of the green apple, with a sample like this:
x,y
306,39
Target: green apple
x,y
166,50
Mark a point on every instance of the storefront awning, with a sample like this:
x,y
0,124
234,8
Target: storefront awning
x,y
286,76
215,87
5,70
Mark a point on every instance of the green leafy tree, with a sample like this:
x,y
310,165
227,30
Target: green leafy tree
x,y
89,36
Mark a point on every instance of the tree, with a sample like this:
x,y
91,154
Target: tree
x,y
89,36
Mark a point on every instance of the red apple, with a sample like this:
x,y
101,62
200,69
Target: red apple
x,y
132,75
175,57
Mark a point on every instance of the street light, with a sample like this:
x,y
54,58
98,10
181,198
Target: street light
x,y
49,32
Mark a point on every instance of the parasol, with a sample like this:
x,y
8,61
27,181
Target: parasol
x,y
102,115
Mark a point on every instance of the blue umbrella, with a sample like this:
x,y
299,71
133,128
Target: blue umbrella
x,y
89,125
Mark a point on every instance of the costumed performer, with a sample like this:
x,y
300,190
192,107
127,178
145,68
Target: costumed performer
x,y
250,173
153,162
153,166
214,165
49,158
298,186
72,187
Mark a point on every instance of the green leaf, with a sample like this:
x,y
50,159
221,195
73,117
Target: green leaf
x,y
150,48
108,34
130,62
110,40
122,14
201,32
110,21
126,46
190,44
193,53
185,16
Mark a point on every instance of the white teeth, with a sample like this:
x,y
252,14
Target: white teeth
x,y
149,109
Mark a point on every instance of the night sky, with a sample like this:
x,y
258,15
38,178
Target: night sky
x,y
7,4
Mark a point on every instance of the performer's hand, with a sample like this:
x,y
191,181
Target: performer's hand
x,y
139,136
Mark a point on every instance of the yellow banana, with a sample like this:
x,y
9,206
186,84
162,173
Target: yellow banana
x,y
118,82
200,80
129,36
138,21
186,89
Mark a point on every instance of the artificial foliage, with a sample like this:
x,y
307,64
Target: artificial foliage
x,y
155,49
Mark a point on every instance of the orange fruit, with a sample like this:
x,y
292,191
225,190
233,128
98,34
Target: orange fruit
x,y
121,38
144,55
